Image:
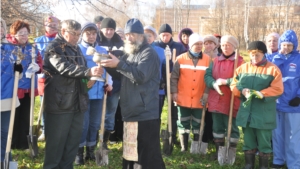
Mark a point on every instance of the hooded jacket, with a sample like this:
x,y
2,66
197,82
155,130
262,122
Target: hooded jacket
x,y
289,66
180,40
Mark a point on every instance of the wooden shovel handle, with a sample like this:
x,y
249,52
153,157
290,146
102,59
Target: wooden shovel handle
x,y
232,100
168,57
103,111
202,122
32,87
12,113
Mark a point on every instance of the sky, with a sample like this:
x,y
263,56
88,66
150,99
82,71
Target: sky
x,y
66,9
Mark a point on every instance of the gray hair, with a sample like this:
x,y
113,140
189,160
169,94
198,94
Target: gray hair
x,y
70,25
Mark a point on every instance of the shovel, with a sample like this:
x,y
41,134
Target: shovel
x,y
6,163
226,155
166,136
199,147
37,127
102,154
32,139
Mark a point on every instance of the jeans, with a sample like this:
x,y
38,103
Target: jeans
x,y
5,117
91,123
111,108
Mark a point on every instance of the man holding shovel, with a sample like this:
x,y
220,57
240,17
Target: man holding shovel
x,y
138,70
188,88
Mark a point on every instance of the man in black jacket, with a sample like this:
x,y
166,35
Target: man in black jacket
x,y
66,97
113,43
139,74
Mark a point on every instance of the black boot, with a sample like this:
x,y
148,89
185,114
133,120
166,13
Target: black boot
x,y
105,139
218,142
90,153
249,159
79,156
184,141
264,160
196,137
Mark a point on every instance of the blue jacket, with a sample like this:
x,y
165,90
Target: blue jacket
x,y
290,69
97,91
41,43
24,83
270,56
7,75
161,54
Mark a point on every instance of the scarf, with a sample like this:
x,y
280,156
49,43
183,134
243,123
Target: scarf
x,y
50,35
262,62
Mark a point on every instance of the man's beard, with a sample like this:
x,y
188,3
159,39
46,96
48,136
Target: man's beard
x,y
131,48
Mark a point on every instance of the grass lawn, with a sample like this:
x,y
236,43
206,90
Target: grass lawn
x,y
177,160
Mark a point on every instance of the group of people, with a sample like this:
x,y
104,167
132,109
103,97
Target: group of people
x,y
266,91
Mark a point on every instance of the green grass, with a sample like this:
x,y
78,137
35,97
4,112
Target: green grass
x,y
177,160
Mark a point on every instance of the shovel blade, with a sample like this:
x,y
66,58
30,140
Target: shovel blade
x,y
167,144
223,158
101,157
197,148
32,143
9,164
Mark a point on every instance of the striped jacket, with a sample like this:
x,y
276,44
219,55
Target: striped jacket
x,y
187,79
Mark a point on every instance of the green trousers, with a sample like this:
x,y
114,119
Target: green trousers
x,y
188,119
257,138
220,126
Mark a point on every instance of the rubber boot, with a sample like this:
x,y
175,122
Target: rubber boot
x,y
218,142
196,137
264,160
79,156
184,141
105,139
90,153
249,159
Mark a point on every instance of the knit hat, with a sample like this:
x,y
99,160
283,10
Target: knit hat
x,y
258,45
165,28
98,19
194,38
88,25
108,23
50,19
148,27
134,26
231,39
211,38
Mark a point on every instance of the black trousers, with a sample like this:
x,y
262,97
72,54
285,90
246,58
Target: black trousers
x,y
149,155
63,133
21,124
117,135
208,128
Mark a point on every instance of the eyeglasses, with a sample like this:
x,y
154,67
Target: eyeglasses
x,y
74,33
22,34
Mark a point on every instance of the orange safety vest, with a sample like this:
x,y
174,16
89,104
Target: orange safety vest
x,y
191,85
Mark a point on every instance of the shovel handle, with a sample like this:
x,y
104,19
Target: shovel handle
x,y
202,123
168,57
231,102
12,113
103,112
32,94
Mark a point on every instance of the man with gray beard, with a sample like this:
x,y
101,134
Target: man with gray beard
x,y
138,70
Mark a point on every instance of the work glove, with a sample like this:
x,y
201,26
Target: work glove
x,y
252,94
295,102
221,81
217,88
18,67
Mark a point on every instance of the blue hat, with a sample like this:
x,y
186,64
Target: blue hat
x,y
134,26
88,25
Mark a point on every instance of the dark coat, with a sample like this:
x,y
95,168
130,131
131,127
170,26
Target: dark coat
x,y
65,69
139,74
115,42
